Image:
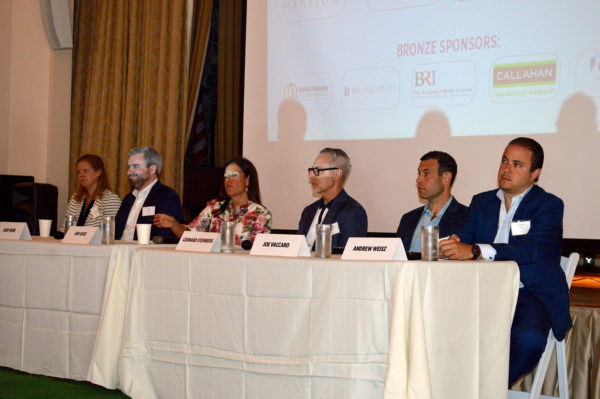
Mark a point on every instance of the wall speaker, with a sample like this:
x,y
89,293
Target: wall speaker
x,y
34,201
56,17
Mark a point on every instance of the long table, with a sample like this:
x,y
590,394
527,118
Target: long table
x,y
156,322
51,300
236,326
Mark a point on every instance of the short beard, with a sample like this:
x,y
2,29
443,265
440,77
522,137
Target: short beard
x,y
139,182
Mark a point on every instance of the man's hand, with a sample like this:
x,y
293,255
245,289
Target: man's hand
x,y
453,249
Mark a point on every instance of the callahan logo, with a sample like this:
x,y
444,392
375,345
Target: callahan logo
x,y
535,73
290,91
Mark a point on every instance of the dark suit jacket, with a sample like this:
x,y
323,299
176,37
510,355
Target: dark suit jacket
x,y
346,211
163,198
537,252
453,218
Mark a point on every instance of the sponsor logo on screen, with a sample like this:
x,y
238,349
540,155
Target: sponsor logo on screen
x,y
383,5
588,73
312,90
444,83
290,91
537,73
425,78
301,10
370,89
525,78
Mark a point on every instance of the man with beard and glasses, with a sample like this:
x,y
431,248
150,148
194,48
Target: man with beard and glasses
x,y
327,177
148,197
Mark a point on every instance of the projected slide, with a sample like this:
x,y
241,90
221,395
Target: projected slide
x,y
370,69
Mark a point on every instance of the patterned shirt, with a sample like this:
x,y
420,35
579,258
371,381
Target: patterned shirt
x,y
251,219
107,205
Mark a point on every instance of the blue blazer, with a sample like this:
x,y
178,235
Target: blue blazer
x,y
537,252
163,198
453,218
346,211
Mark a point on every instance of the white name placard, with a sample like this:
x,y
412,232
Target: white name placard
x,y
14,231
374,248
82,235
199,241
280,245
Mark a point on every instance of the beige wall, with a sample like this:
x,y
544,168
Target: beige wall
x,y
5,39
35,95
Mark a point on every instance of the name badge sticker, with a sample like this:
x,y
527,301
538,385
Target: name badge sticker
x,y
14,231
374,248
335,228
95,212
148,211
280,245
199,241
82,235
520,227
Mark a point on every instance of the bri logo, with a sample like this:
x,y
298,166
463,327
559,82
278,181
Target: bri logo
x,y
424,78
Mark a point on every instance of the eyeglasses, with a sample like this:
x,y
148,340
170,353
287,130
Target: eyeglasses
x,y
231,175
317,171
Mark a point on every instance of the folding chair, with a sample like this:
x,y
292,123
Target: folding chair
x,y
569,265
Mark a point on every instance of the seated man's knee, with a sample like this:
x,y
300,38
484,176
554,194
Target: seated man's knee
x,y
533,341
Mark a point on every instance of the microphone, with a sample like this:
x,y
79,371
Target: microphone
x,y
247,245
165,240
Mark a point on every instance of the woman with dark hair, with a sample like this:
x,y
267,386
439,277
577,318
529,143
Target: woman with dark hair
x,y
92,198
239,202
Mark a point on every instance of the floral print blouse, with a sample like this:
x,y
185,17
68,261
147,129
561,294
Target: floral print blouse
x,y
251,219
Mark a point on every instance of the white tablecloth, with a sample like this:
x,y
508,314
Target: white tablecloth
x,y
234,326
51,298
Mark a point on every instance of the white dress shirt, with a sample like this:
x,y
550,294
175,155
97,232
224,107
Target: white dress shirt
x,y
505,219
140,198
311,236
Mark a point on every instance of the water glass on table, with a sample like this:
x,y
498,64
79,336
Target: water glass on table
x,y
430,242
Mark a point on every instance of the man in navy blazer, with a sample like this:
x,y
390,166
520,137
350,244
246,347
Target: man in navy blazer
x,y
521,222
327,177
147,198
435,176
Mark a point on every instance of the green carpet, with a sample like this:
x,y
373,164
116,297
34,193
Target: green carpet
x,y
17,385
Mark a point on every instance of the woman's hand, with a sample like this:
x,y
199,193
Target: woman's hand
x,y
169,222
164,221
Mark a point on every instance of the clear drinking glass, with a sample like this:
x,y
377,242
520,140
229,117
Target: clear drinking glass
x,y
69,221
107,226
430,241
228,236
323,241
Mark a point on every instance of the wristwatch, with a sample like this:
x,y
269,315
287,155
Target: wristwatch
x,y
476,251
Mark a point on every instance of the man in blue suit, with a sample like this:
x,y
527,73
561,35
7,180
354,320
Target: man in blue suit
x,y
148,196
435,176
521,222
327,177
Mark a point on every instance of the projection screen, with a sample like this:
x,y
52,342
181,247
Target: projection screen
x,y
389,80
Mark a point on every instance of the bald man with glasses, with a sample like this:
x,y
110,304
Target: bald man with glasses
x,y
347,217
